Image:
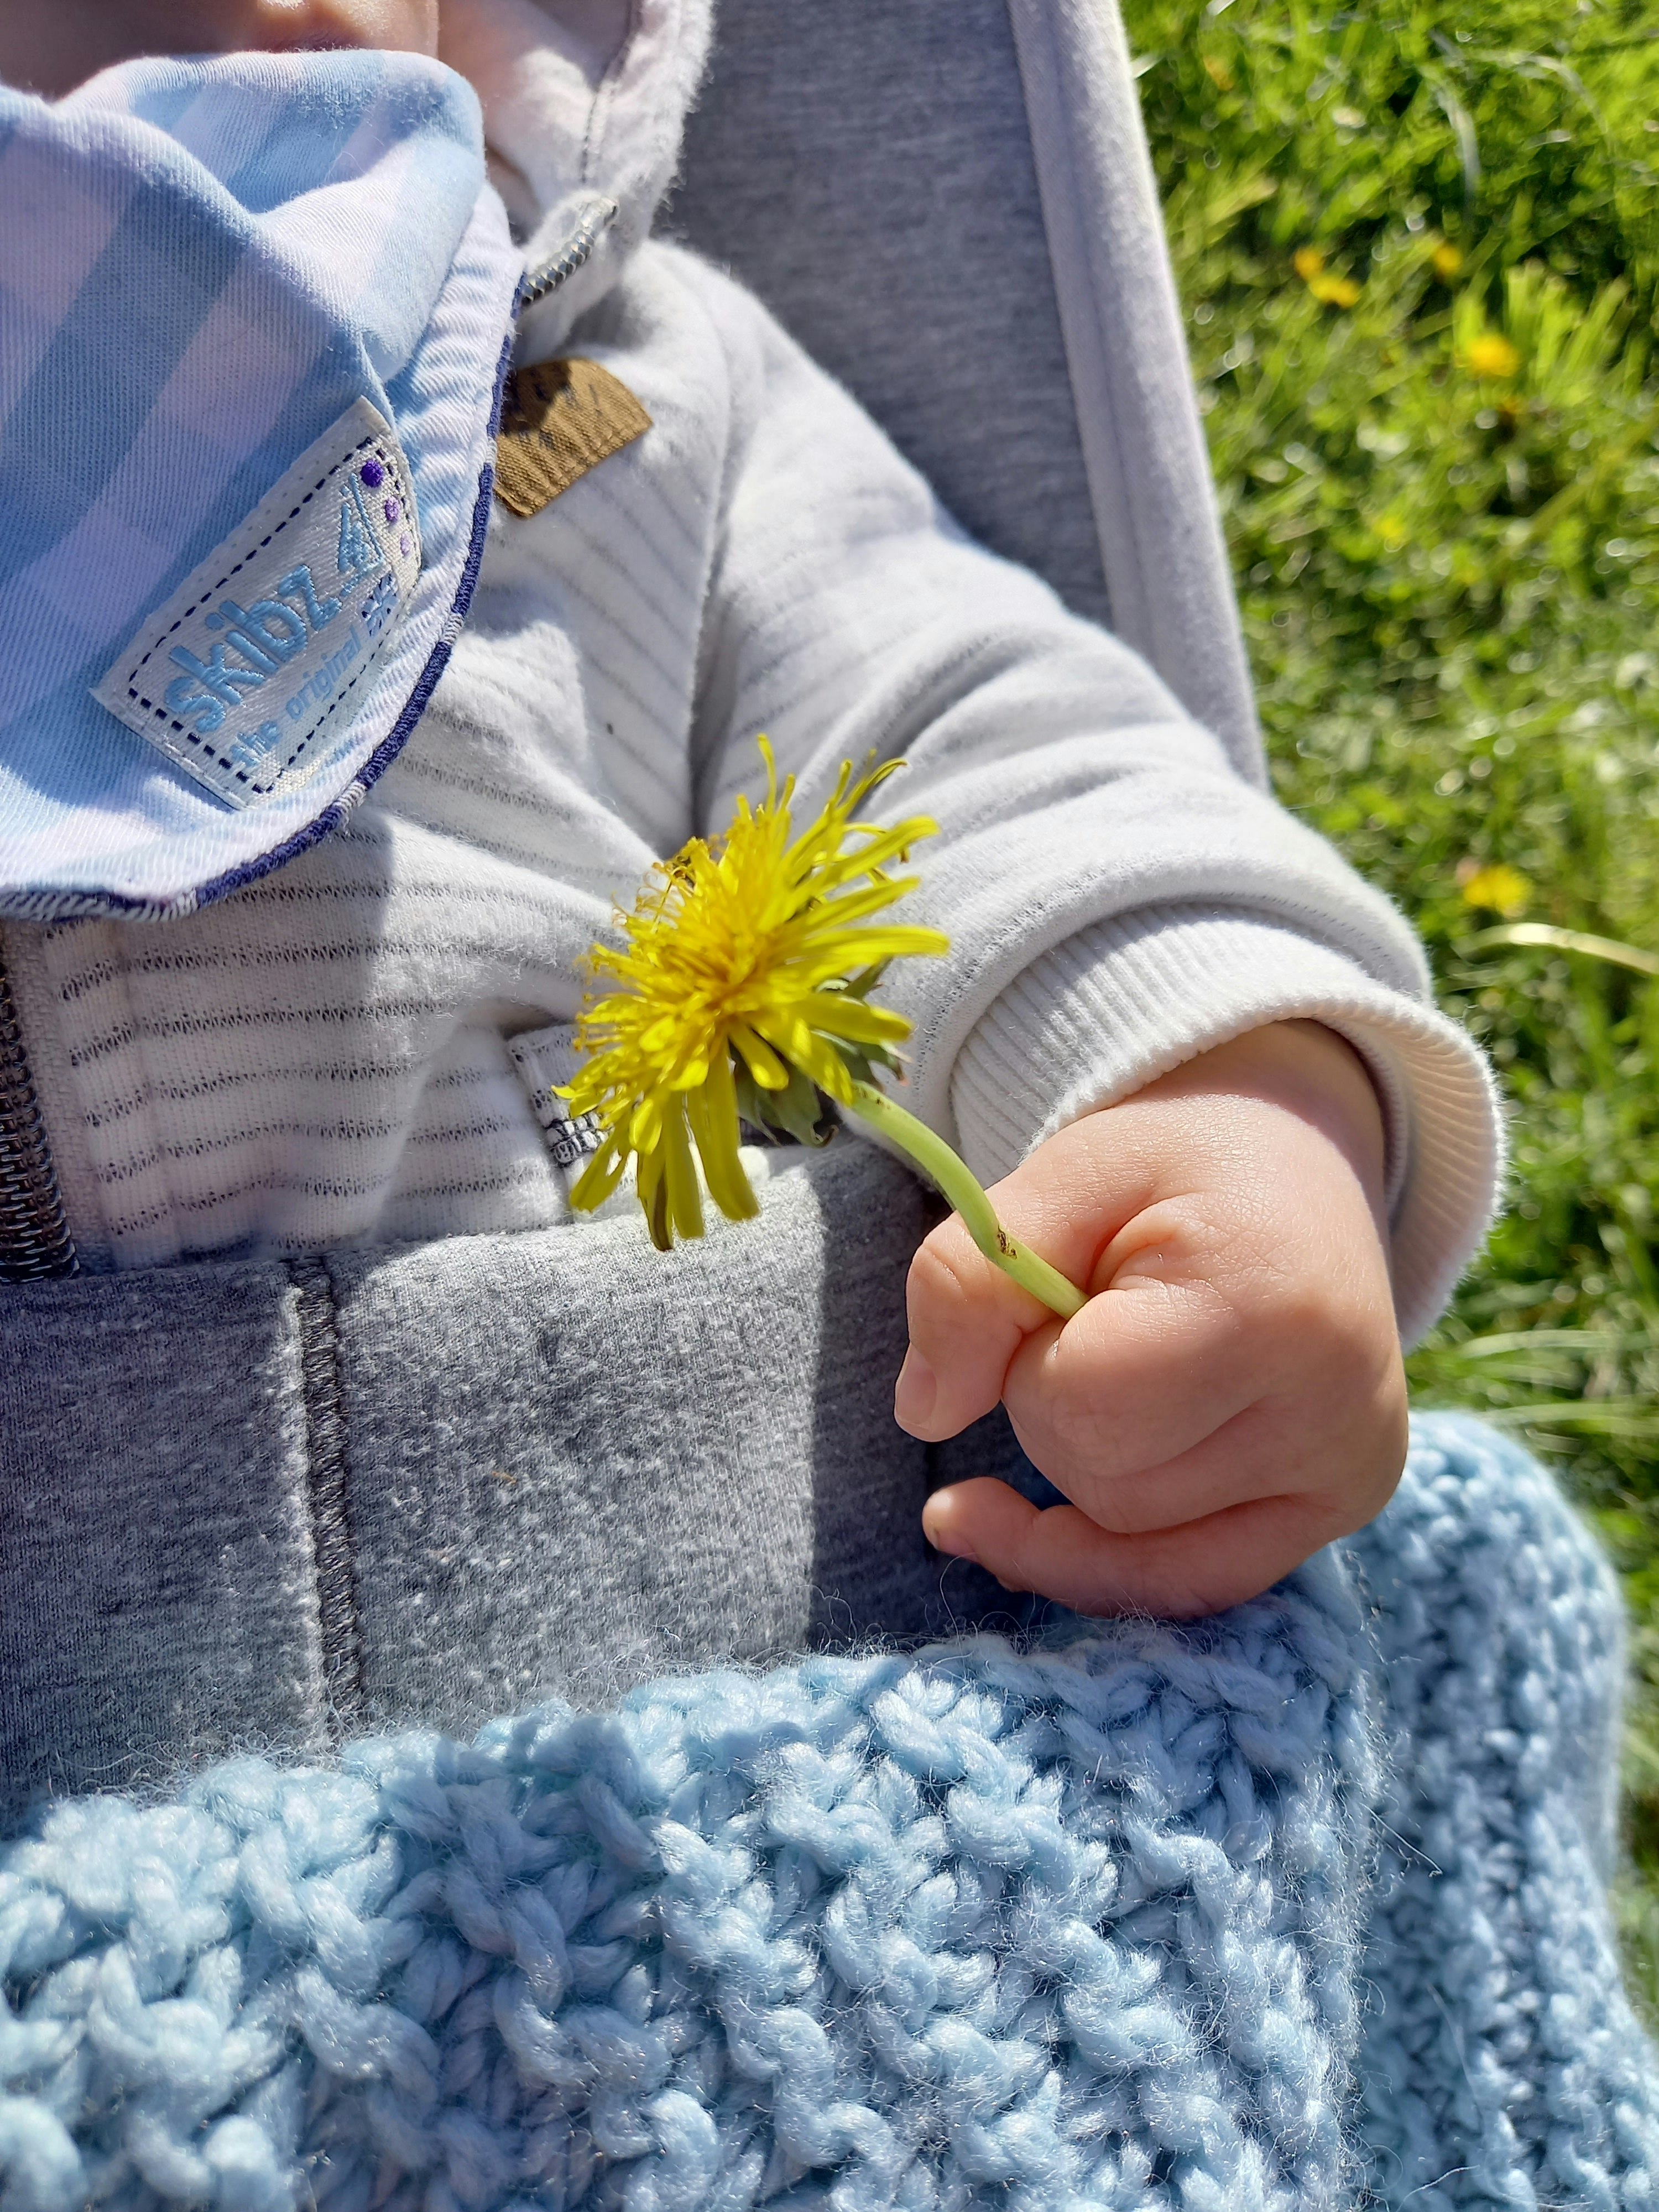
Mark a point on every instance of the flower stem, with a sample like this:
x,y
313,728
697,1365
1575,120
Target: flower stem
x,y
938,1162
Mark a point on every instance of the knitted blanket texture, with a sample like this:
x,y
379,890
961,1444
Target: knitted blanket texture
x,y
1301,1907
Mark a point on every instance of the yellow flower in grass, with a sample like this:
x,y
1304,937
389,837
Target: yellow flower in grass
x,y
1491,354
1505,890
745,977
1334,291
1331,289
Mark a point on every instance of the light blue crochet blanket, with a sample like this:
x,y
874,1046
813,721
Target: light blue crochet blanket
x,y
1301,1907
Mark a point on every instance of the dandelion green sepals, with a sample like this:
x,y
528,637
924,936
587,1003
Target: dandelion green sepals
x,y
956,1181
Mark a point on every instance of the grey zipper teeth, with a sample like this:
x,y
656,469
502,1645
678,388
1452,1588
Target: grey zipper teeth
x,y
595,219
35,1243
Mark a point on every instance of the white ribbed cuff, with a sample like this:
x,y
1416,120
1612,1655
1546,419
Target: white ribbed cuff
x,y
1127,1000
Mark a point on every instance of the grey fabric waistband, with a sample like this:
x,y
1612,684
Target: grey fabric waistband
x,y
264,1503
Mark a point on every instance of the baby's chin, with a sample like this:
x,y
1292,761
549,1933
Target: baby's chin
x,y
50,49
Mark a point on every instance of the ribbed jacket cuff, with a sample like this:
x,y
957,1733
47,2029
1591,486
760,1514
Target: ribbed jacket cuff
x,y
1125,1000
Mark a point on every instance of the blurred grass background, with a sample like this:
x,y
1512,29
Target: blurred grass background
x,y
1419,252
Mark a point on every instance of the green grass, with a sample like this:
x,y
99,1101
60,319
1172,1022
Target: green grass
x,y
1419,249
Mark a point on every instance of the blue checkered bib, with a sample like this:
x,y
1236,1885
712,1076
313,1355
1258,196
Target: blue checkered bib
x,y
252,313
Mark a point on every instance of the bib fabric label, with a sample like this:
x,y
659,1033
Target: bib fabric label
x,y
559,419
265,648
547,1060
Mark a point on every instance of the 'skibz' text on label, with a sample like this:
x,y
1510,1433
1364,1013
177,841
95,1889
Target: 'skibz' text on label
x,y
262,655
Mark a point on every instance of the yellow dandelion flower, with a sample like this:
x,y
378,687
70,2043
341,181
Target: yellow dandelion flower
x,y
1491,354
744,982
749,957
1334,291
1499,887
1446,261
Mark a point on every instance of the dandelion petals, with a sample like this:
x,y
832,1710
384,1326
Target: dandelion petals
x,y
758,1057
763,944
600,1177
680,1174
712,1114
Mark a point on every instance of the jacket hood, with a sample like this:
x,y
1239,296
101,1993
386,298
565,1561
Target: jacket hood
x,y
585,104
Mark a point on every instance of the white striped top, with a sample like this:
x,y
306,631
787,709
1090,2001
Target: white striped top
x,y
321,1059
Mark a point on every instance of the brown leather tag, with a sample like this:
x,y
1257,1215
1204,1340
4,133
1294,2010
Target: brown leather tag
x,y
559,419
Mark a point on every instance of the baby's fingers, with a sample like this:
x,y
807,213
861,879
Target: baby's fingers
x,y
966,1321
1145,1374
1175,1573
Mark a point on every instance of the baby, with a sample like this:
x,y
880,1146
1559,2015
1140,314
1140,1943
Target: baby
x,y
1197,1051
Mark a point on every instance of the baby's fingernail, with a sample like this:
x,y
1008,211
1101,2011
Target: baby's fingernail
x,y
914,1392
936,1516
954,1548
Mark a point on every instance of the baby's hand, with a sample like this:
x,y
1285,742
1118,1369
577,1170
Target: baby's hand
x,y
1232,1397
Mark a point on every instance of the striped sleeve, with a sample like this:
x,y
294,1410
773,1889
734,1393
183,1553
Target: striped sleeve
x,y
1117,898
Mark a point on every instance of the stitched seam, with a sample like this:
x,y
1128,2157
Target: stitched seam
x,y
260,545
605,92
328,1495
135,676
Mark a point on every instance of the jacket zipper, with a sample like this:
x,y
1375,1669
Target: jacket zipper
x,y
34,1237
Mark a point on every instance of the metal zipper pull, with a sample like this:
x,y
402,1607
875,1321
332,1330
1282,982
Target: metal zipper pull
x,y
591,219
34,1237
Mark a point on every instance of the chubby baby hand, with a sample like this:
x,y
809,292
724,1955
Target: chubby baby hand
x,y
1232,1397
